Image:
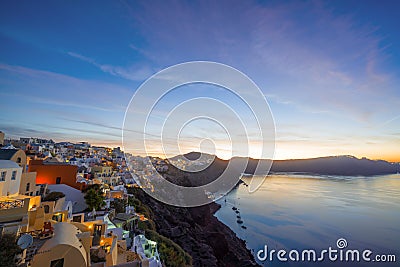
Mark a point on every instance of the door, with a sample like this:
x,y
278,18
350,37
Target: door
x,y
96,235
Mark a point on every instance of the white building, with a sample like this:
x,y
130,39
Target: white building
x,y
10,178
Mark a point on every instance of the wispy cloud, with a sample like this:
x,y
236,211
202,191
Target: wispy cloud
x,y
388,121
44,98
134,73
58,89
92,123
312,57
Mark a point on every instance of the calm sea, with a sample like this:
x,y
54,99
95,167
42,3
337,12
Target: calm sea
x,y
297,211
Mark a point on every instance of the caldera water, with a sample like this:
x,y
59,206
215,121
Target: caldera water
x,y
301,211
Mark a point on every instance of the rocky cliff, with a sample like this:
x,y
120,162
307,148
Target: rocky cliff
x,y
199,233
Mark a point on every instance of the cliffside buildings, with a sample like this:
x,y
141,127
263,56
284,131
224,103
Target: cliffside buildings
x,y
58,231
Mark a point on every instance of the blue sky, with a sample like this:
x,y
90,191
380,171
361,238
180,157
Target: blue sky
x,y
329,69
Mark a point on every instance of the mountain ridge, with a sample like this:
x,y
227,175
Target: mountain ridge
x,y
330,165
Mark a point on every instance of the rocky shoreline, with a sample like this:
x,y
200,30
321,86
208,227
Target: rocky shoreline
x,y
199,233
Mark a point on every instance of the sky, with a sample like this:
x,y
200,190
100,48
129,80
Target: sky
x,y
328,69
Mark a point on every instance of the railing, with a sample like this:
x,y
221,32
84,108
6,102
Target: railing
x,y
11,204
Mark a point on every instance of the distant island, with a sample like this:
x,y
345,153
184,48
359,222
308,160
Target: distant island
x,y
331,165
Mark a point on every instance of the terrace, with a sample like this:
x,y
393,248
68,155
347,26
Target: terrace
x,y
9,203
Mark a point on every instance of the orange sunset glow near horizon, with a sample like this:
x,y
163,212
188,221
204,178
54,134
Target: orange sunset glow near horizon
x,y
303,152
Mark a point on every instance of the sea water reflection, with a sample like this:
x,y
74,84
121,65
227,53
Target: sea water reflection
x,y
297,211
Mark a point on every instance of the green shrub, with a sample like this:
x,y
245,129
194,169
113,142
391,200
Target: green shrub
x,y
96,187
94,199
171,254
118,205
140,207
146,225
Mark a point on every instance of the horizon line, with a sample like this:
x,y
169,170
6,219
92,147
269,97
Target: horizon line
x,y
117,144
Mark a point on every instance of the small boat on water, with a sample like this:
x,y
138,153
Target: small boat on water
x,y
237,212
239,221
234,208
244,227
238,216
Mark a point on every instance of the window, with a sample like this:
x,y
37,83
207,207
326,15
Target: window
x,y
58,180
28,185
57,263
77,218
13,175
19,160
46,208
3,176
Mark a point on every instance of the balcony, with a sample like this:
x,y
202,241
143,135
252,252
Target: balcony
x,y
11,204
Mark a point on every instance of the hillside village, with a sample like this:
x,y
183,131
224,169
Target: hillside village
x,y
74,204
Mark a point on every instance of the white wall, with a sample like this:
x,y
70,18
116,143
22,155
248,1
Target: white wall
x,y
10,187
